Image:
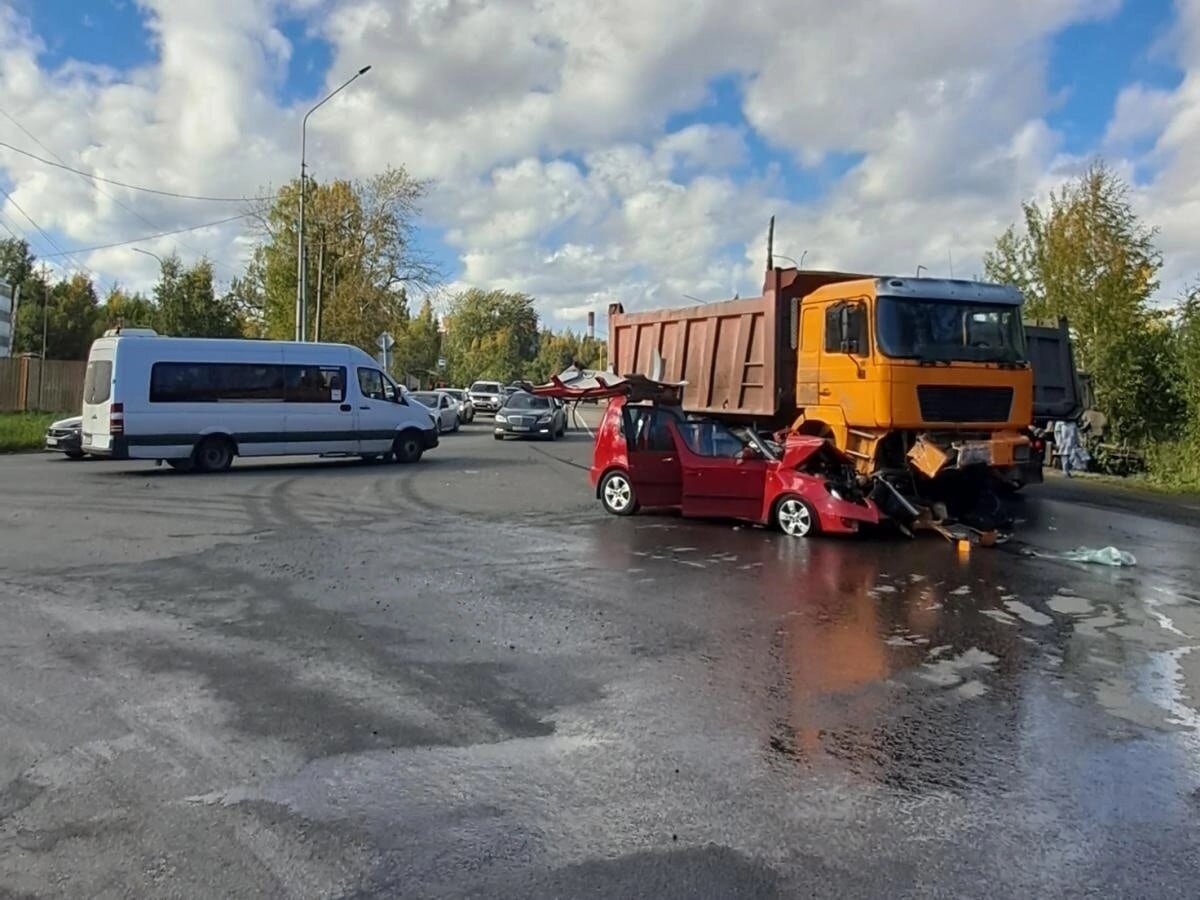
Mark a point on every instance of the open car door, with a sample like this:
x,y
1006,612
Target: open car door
x,y
722,477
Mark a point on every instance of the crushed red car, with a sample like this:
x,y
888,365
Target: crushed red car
x,y
649,454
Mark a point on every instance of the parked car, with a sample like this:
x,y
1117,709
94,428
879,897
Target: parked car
x,y
486,396
66,436
466,409
443,407
524,415
652,455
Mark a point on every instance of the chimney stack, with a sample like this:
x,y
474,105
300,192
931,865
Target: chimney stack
x,y
591,325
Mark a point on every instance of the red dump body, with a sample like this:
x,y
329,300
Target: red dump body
x,y
738,357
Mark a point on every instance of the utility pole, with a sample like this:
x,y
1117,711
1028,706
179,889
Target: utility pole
x,y
45,309
320,267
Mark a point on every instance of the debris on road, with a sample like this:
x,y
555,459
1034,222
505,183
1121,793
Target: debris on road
x,y
1104,556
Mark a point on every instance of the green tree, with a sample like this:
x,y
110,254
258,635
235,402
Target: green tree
x,y
187,304
419,343
127,310
361,257
70,310
490,334
16,261
1187,354
1087,257
17,271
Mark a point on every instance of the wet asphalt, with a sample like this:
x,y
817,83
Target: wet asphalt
x,y
461,679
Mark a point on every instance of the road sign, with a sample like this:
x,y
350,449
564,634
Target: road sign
x,y
441,362
385,342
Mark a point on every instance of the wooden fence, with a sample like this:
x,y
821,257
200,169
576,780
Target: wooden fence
x,y
31,385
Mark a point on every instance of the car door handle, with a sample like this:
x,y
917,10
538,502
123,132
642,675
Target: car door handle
x,y
824,392
364,407
668,459
345,407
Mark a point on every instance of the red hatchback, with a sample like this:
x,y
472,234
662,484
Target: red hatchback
x,y
651,455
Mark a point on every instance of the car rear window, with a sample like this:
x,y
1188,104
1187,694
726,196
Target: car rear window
x,y
486,387
97,381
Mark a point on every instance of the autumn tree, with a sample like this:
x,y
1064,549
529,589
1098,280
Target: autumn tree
x,y
490,334
1084,255
120,308
361,258
558,350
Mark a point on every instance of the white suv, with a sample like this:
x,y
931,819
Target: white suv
x,y
486,396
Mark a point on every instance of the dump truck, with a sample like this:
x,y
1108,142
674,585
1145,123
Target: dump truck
x,y
926,383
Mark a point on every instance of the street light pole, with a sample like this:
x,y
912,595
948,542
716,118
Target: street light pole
x,y
148,253
301,269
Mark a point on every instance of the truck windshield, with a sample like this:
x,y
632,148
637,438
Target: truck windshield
x,y
941,330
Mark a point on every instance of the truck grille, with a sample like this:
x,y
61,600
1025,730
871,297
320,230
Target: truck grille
x,y
964,404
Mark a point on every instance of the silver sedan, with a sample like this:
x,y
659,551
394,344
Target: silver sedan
x,y
442,407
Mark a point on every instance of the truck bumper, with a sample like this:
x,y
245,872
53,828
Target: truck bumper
x,y
1001,450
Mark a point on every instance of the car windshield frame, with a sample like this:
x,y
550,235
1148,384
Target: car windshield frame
x,y
955,328
529,399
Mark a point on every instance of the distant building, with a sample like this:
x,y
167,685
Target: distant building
x,y
6,320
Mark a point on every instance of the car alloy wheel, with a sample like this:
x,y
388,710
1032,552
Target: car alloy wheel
x,y
617,494
795,518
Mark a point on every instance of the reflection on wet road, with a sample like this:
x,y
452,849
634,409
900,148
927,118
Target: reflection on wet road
x,y
1041,710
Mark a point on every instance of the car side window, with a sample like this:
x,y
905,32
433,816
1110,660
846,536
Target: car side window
x,y
646,430
710,439
371,384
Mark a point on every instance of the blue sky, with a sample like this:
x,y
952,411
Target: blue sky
x,y
839,152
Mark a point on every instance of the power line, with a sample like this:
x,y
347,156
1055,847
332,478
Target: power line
x,y
46,235
133,212
124,184
150,237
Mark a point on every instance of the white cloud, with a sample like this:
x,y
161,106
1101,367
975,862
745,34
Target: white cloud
x,y
544,127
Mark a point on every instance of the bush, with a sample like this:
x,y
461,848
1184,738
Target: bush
x,y
1175,464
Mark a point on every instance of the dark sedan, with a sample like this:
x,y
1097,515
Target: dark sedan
x,y
66,436
524,415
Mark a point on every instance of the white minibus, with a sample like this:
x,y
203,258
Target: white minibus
x,y
196,402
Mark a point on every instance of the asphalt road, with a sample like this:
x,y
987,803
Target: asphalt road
x,y
461,679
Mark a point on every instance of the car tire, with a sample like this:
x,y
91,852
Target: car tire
x,y
213,454
407,448
498,437
457,425
617,495
75,454
794,517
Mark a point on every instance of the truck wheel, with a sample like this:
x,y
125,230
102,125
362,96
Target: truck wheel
x,y
408,448
794,517
213,454
616,493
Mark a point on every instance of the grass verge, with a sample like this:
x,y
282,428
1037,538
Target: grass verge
x,y
24,431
